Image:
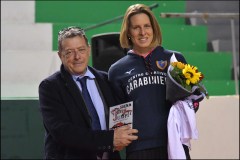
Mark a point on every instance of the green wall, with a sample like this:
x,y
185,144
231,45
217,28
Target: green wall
x,y
89,13
97,11
22,133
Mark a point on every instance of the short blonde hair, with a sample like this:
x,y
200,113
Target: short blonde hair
x,y
125,41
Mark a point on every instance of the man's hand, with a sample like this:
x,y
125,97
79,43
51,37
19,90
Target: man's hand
x,y
123,136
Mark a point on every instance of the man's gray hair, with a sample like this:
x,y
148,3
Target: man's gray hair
x,y
70,32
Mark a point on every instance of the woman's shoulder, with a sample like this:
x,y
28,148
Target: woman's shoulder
x,y
169,52
121,62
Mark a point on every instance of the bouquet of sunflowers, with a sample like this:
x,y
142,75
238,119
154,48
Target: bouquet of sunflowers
x,y
183,80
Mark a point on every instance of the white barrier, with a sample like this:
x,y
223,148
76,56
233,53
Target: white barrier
x,y
17,12
22,71
34,37
218,126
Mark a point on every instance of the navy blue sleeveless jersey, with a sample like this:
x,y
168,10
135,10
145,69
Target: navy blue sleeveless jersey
x,y
142,80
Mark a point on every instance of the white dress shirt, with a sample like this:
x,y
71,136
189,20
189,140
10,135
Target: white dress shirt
x,y
181,128
94,94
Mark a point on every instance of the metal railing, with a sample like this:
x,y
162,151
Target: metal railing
x,y
205,16
155,5
199,15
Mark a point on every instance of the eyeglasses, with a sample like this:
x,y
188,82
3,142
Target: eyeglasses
x,y
70,53
77,29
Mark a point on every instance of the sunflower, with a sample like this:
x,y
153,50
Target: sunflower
x,y
179,65
185,76
191,74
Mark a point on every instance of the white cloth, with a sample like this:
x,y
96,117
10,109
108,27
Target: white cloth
x,y
181,128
